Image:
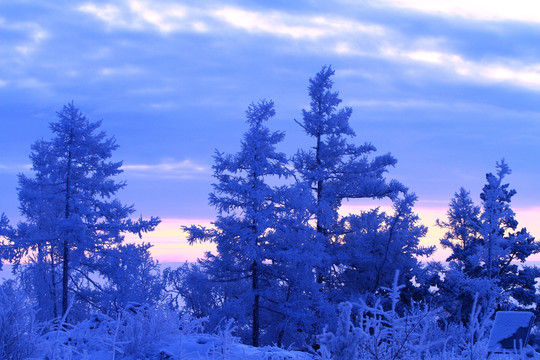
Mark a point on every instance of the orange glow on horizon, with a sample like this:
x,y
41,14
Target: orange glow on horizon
x,y
170,241
170,244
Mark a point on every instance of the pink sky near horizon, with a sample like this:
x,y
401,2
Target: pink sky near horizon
x,y
170,244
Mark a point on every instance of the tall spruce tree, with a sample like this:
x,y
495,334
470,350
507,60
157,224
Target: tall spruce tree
x,y
486,247
503,244
334,168
245,227
71,214
463,233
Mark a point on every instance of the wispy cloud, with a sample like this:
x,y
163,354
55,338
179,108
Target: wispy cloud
x,y
483,10
185,169
14,168
503,71
341,35
168,17
164,17
127,70
31,83
506,71
294,26
25,36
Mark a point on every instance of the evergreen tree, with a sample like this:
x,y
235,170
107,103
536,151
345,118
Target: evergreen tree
x,y
71,215
130,274
463,279
486,246
6,232
247,215
336,169
463,235
504,244
379,244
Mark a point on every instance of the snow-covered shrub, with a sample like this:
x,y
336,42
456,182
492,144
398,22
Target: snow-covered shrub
x,y
139,327
477,333
373,332
18,328
463,341
133,334
130,274
344,344
224,332
190,290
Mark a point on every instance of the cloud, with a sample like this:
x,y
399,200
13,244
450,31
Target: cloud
x,y
164,17
411,103
185,169
340,35
14,168
22,37
127,70
484,10
505,71
169,17
108,13
294,26
31,83
493,71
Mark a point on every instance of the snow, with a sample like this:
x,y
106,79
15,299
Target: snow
x,y
510,327
196,347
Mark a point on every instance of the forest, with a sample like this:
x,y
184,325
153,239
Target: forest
x,y
290,271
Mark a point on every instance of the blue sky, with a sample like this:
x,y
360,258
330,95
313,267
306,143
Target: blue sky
x,y
447,87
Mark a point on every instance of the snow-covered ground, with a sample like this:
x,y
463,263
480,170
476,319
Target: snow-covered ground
x,y
190,347
196,347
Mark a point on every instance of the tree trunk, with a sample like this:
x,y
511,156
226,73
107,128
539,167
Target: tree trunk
x,y
53,285
65,245
256,307
319,227
65,272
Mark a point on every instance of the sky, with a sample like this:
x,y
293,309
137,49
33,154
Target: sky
x,y
447,87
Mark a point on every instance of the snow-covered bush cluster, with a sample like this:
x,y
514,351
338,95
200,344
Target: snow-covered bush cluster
x,y
291,268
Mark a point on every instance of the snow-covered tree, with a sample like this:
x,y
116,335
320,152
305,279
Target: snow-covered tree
x,y
6,232
504,244
130,274
247,214
334,168
69,205
297,307
486,248
379,244
463,232
462,277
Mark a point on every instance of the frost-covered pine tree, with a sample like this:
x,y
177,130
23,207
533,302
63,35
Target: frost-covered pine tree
x,y
248,211
6,232
71,214
504,244
461,280
334,168
463,236
379,244
486,248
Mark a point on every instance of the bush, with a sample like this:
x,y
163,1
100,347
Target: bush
x,y
18,329
371,332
